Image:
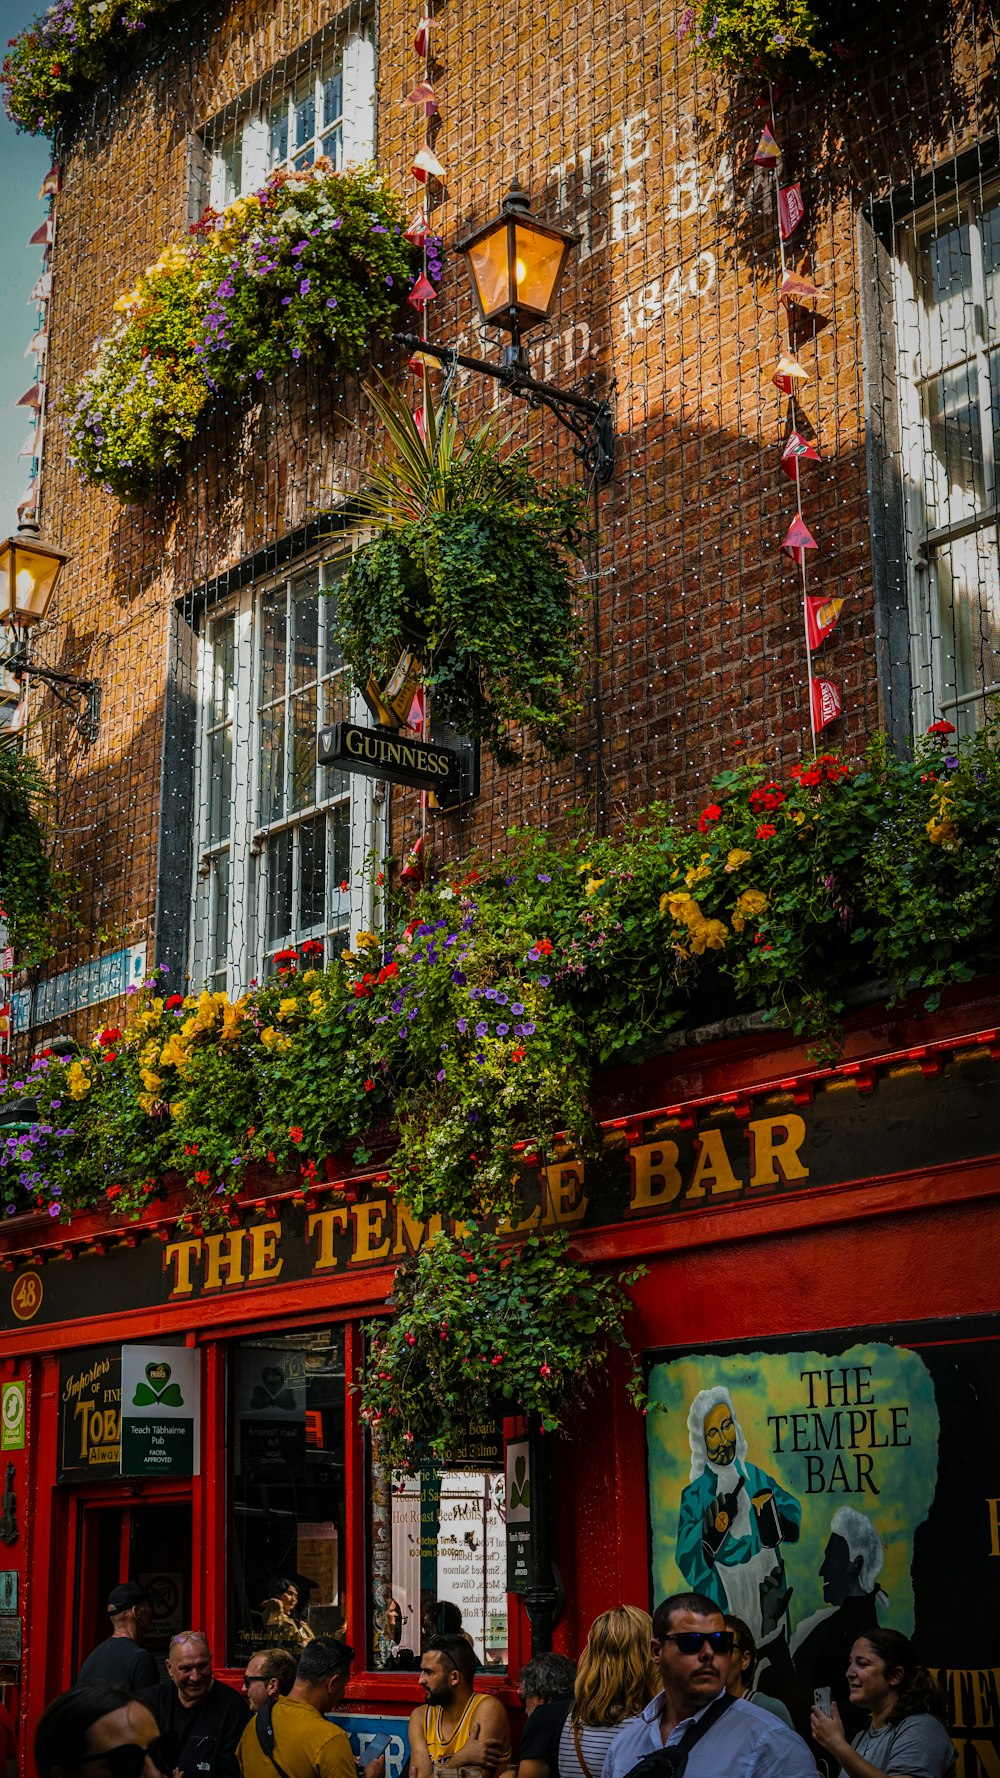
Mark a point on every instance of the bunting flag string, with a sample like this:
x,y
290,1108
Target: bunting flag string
x,y
801,298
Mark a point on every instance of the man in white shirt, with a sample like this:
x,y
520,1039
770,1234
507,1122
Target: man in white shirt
x,y
693,1646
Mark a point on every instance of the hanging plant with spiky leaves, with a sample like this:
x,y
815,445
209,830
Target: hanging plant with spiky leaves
x,y
474,565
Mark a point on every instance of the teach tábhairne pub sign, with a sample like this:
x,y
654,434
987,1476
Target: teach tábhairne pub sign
x,y
128,1410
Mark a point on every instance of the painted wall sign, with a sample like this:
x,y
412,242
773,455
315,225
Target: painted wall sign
x,y
12,1416
384,753
518,1515
363,1731
159,1410
720,1160
90,1388
821,1485
103,978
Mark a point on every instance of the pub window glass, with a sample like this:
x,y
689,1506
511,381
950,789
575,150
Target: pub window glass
x,y
287,1538
438,1556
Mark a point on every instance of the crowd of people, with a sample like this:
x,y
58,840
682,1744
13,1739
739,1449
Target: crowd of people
x,y
656,1697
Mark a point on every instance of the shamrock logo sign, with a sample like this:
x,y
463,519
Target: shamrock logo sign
x,y
157,1390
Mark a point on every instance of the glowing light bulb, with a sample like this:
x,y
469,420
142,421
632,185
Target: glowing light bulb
x,y
520,271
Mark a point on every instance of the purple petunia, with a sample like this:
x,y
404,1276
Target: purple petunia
x,y
502,1030
482,1029
544,980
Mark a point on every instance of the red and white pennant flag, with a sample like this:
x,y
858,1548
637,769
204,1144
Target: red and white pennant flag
x,y
821,617
797,450
797,539
791,209
826,702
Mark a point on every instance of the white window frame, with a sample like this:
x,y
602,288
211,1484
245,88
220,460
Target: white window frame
x,y
248,949
349,140
929,535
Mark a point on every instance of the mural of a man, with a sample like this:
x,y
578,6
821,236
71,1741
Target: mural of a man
x,y
733,1520
821,1644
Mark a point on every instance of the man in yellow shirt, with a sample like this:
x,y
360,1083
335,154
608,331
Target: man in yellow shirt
x,y
293,1738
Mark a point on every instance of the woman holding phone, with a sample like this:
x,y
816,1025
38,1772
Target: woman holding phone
x,y
906,1735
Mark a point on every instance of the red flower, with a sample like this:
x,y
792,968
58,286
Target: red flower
x,y
473,1278
387,971
708,817
173,1000
942,728
545,1370
766,797
295,1133
110,1055
344,886
109,1036
517,1055
113,1191
361,990
369,1086
190,1148
286,960
202,1176
543,946
311,947
379,880
765,831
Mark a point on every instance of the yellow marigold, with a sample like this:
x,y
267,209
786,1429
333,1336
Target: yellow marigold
x,y
78,1080
707,935
943,831
737,857
365,941
582,869
288,1007
149,1053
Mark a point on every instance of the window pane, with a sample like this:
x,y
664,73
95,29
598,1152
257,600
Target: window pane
x,y
305,638
277,147
273,647
287,1493
946,267
272,765
991,267
304,750
312,874
332,657
340,818
446,1565
220,784
333,98
219,939
954,467
967,624
330,145
305,119
223,666
279,888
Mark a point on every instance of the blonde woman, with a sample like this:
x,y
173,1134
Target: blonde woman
x,y
614,1681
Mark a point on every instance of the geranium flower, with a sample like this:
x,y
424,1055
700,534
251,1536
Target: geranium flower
x,y
295,1133
766,831
941,727
708,817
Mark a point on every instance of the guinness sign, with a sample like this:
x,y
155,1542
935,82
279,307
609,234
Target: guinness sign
x,y
385,753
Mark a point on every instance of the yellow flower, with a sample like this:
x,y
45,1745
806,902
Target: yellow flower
x,y
736,858
581,869
152,1082
708,935
231,1019
347,956
149,1103
751,903
316,1000
288,1007
681,906
78,1080
796,815
177,1107
365,941
275,1040
697,874
592,885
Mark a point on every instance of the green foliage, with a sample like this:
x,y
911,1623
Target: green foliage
x,y
309,267
472,566
33,894
72,44
461,1042
753,37
483,1327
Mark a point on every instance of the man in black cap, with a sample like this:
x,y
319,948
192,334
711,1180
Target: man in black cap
x,y
121,1659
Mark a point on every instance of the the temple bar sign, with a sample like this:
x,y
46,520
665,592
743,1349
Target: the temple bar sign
x,y
382,753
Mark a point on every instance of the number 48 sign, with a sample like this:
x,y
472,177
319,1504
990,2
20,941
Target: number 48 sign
x,y
12,1417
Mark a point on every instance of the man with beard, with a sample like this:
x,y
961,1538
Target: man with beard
x,y
206,1716
456,1726
694,1724
733,1519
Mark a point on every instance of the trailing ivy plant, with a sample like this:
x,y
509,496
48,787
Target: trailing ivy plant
x,y
34,895
459,1043
483,1327
311,266
473,566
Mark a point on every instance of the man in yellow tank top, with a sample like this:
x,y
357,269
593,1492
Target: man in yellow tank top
x,y
456,1726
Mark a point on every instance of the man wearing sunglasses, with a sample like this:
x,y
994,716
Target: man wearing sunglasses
x,y
694,1726
206,1716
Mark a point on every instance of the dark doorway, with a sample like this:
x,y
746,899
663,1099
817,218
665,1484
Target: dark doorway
x,y
149,1542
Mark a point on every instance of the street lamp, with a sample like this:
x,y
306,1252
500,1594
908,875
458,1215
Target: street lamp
x,y
517,265
29,570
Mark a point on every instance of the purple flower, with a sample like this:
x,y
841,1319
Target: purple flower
x,y
544,980
475,993
459,977
53,1210
462,1025
527,1030
516,1007
440,1074
951,761
131,989
542,878
491,993
259,374
331,302
502,1030
482,1029
501,999
305,286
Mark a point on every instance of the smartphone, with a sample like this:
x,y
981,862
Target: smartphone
x,y
822,1699
376,1746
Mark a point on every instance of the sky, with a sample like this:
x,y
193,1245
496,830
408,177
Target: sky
x,y
24,162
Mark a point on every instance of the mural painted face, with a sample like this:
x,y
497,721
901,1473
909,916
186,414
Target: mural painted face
x,y
720,1435
839,1572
